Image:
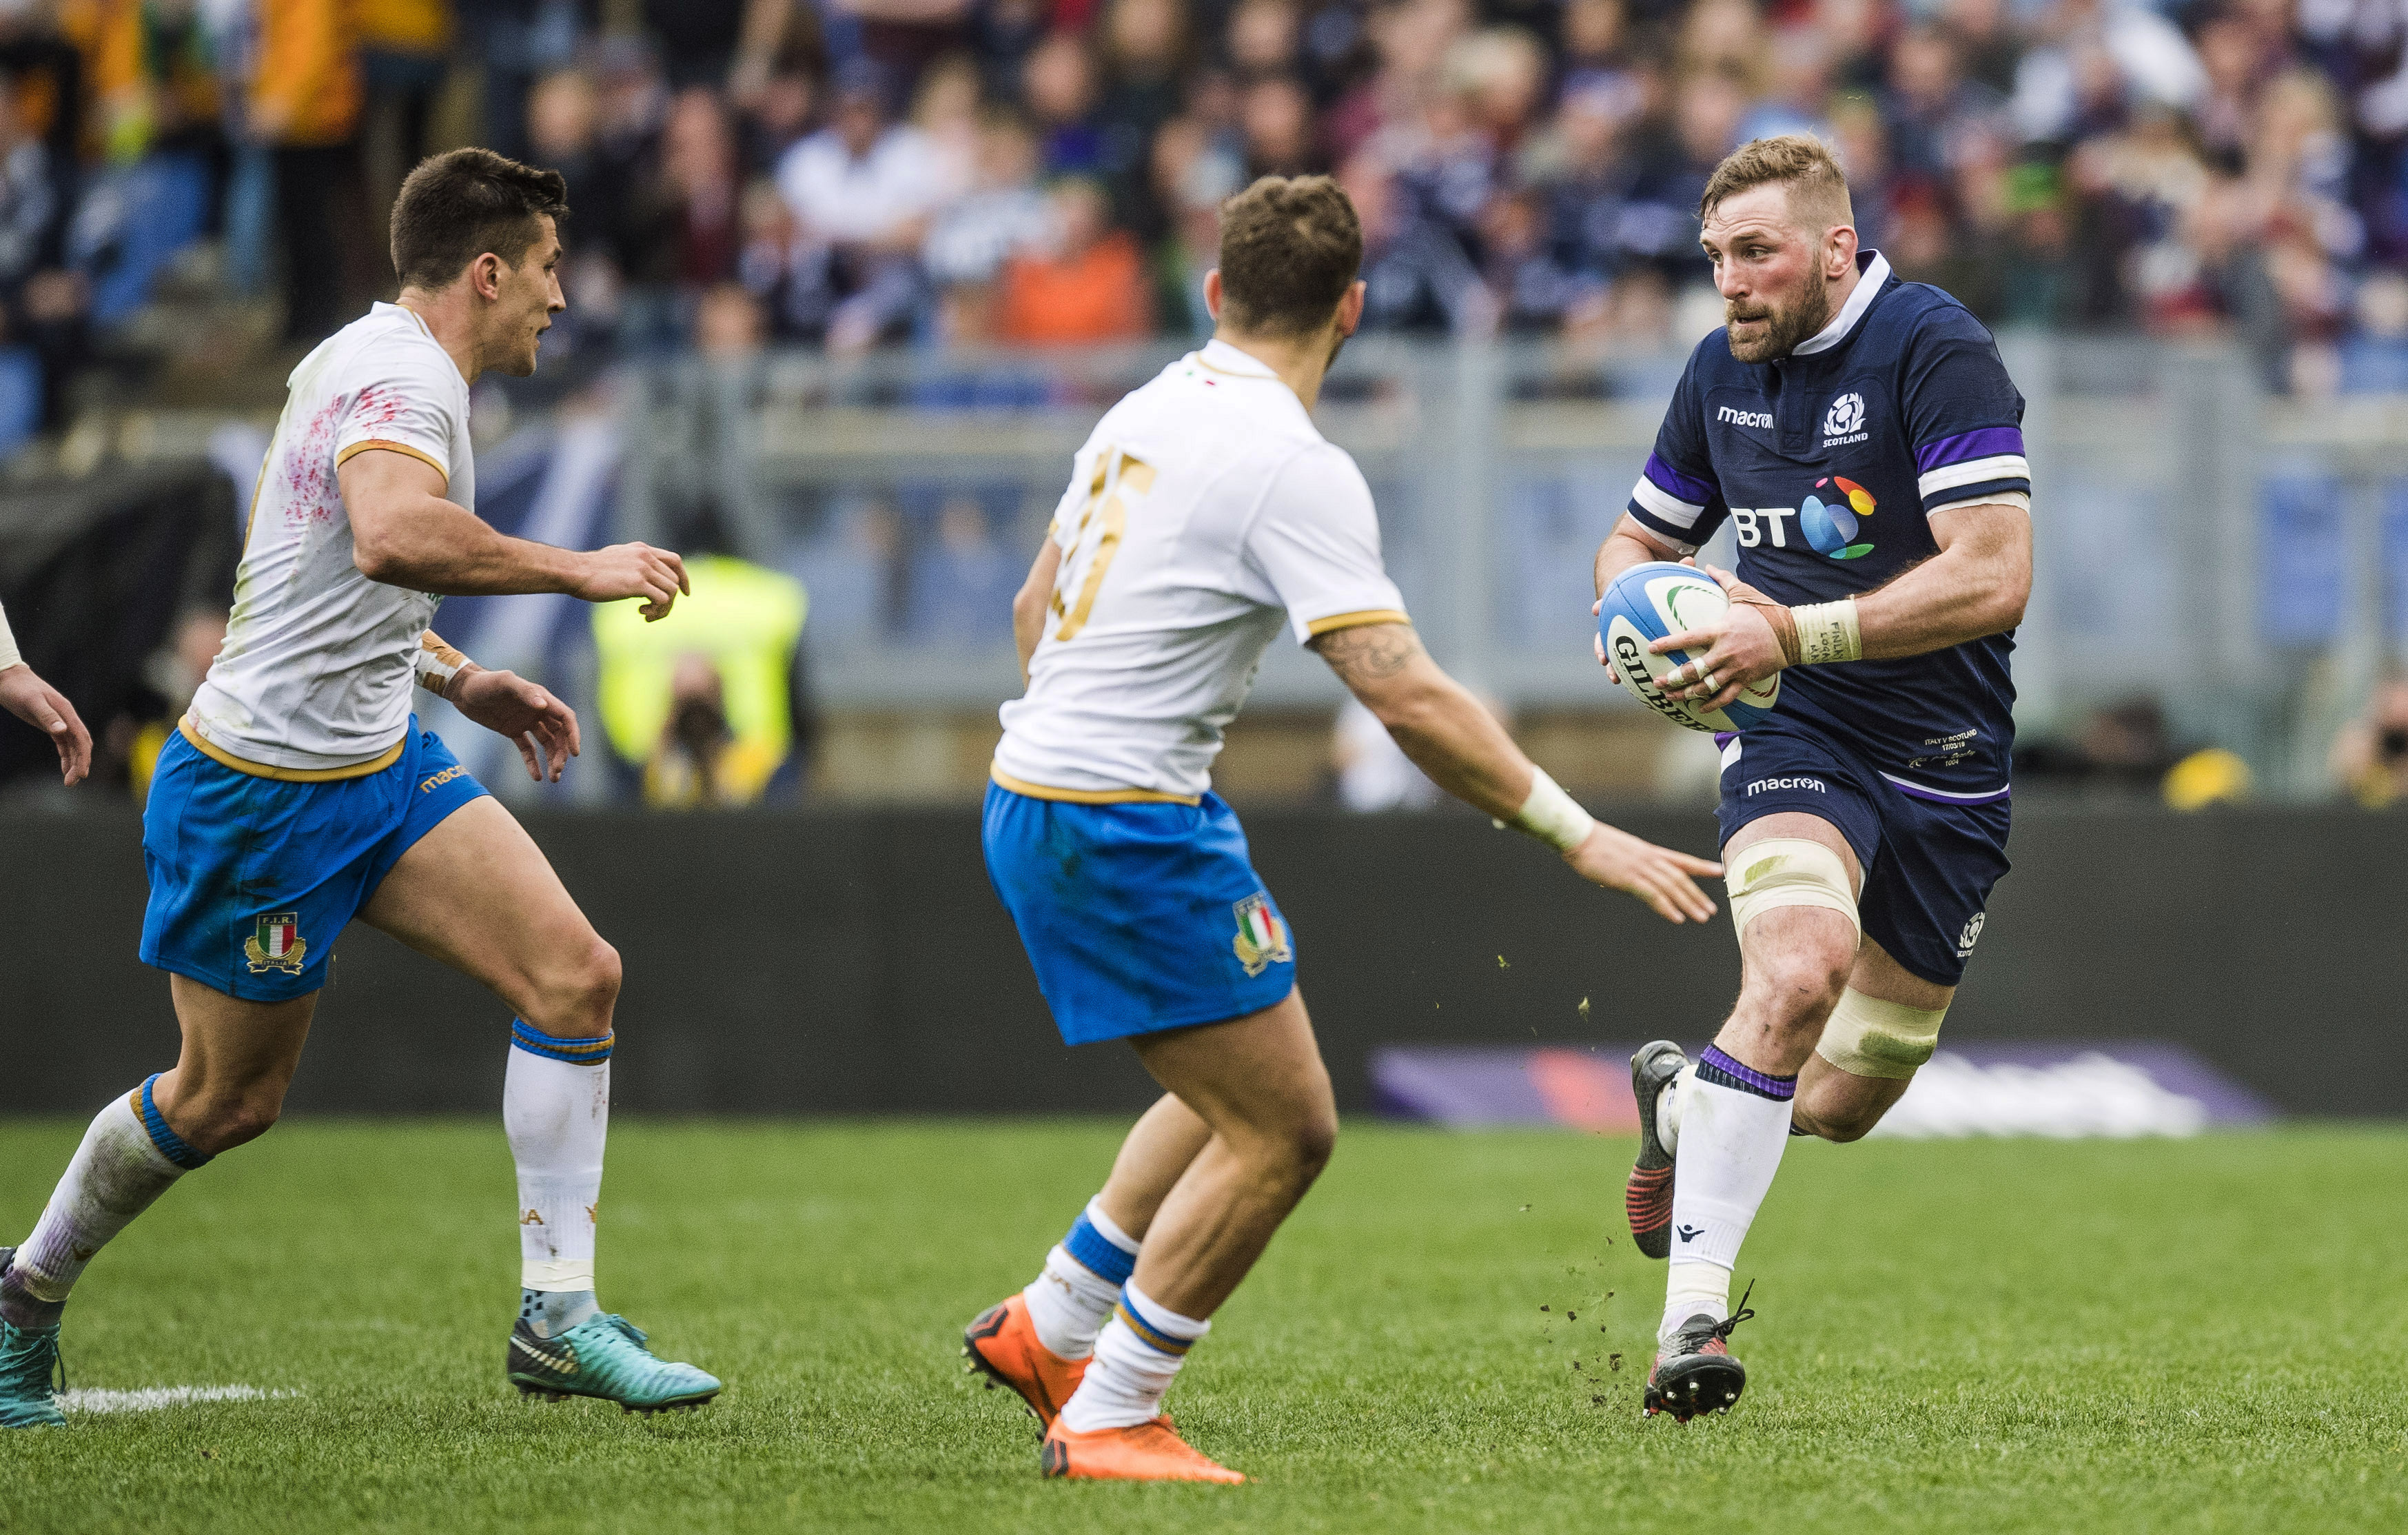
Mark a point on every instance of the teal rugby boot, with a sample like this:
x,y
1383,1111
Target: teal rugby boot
x,y
605,1357
28,1358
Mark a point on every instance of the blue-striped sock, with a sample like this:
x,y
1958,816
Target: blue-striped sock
x,y
1137,1357
127,1159
1069,1301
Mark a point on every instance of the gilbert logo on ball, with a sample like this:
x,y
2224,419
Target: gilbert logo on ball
x,y
1654,601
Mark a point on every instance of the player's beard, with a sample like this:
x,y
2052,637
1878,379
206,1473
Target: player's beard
x,y
1798,321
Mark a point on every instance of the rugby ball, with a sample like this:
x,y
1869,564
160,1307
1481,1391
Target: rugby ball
x,y
1651,601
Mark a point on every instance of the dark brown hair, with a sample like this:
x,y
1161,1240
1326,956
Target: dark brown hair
x,y
459,205
1818,188
1290,248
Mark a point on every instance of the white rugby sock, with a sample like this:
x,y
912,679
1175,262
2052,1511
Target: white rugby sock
x,y
1693,1288
1069,1301
556,1111
1668,1108
128,1158
1137,1357
1735,1125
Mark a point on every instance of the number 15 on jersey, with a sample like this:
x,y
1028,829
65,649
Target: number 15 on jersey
x,y
1095,534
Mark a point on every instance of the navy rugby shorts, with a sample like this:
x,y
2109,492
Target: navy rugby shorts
x,y
1137,917
1928,866
253,879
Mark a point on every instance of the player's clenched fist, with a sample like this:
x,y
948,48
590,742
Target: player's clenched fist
x,y
1662,878
634,570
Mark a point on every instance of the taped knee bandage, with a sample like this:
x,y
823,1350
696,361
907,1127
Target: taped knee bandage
x,y
1787,871
1870,1037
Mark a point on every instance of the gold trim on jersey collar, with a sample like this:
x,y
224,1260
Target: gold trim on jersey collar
x,y
216,753
1090,796
1234,372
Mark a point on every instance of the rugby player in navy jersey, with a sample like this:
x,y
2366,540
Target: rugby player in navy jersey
x,y
1862,437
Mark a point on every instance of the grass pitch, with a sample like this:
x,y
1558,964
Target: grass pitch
x,y
1970,1336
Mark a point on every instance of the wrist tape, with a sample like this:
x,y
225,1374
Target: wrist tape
x,y
8,656
437,664
1827,631
1553,816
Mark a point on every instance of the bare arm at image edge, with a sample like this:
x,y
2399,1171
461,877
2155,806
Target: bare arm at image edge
x,y
43,707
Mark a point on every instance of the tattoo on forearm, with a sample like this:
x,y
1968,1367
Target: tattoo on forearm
x,y
1368,653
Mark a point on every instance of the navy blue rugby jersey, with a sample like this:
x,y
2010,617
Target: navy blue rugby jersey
x,y
1828,462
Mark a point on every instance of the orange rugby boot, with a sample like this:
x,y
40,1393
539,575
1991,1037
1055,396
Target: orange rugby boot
x,y
1151,1452
1002,1346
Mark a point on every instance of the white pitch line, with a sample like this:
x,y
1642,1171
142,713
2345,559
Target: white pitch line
x,y
150,1398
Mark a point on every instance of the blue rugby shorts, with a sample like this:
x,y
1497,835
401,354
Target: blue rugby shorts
x,y
252,878
1929,864
1137,917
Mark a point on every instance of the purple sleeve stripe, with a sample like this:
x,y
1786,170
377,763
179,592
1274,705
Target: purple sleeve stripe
x,y
1672,482
1716,1066
1988,443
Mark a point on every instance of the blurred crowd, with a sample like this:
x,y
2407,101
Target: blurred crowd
x,y
847,173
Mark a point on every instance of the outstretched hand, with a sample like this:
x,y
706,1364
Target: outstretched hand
x,y
542,727
634,570
47,709
1666,879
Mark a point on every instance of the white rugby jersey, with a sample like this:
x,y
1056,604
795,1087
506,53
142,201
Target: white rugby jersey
x,y
1203,507
314,677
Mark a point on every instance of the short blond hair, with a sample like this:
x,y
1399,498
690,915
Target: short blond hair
x,y
1818,188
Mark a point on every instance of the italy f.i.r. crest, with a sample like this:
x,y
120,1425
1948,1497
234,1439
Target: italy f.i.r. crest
x,y
1262,938
277,945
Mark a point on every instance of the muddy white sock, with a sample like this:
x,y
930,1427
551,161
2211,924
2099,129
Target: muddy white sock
x,y
1734,1126
1068,1301
128,1158
551,1312
556,1112
1137,1357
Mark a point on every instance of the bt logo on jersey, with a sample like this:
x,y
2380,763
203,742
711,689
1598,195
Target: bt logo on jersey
x,y
1830,528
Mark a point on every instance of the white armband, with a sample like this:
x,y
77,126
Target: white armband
x,y
8,656
1827,631
1550,815
437,664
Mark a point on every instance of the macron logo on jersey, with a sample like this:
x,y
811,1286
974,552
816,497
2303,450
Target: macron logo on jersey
x,y
1744,418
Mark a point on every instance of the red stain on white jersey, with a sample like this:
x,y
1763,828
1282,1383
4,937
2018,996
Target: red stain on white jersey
x,y
312,492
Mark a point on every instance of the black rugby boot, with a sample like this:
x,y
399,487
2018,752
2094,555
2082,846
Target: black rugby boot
x,y
1694,1369
1648,1197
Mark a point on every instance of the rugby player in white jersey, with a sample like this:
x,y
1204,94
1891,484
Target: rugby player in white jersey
x,y
300,792
1204,514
